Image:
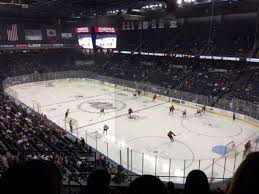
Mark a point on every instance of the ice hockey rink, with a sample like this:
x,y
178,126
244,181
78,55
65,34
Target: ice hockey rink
x,y
141,143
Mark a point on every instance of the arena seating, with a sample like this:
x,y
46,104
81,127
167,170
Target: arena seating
x,y
225,39
29,136
207,77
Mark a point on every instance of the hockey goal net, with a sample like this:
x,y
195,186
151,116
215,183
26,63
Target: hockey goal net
x,y
230,149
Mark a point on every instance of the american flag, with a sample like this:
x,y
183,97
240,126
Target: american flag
x,y
12,34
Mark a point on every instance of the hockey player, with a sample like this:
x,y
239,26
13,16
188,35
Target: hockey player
x,y
184,114
198,112
154,97
105,129
66,114
248,147
203,108
71,125
234,116
130,111
171,109
102,111
171,135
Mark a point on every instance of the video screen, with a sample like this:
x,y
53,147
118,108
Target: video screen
x,y
106,41
85,41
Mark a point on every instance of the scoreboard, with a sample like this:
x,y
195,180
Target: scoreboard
x,y
84,37
97,37
105,37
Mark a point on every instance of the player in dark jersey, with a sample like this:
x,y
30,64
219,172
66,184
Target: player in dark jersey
x,y
171,109
66,114
102,111
71,125
130,111
198,112
171,135
184,114
203,108
248,147
234,116
154,97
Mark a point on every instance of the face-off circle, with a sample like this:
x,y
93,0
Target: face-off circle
x,y
94,106
161,147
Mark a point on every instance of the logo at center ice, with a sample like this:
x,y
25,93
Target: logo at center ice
x,y
105,105
94,106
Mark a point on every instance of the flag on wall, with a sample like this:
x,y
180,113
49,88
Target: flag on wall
x,y
51,33
12,34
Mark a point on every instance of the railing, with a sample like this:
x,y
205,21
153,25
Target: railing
x,y
175,170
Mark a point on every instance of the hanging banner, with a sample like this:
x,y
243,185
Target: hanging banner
x,y
140,25
161,24
145,24
132,26
153,24
123,26
128,25
66,35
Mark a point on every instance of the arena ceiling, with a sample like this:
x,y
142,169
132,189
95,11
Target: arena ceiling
x,y
90,8
65,8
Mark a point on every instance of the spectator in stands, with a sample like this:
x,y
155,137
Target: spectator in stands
x,y
147,184
41,177
98,182
197,183
170,188
245,180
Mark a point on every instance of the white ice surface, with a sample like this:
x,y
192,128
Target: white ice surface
x,y
146,134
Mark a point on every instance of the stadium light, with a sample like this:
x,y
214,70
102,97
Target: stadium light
x,y
179,2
